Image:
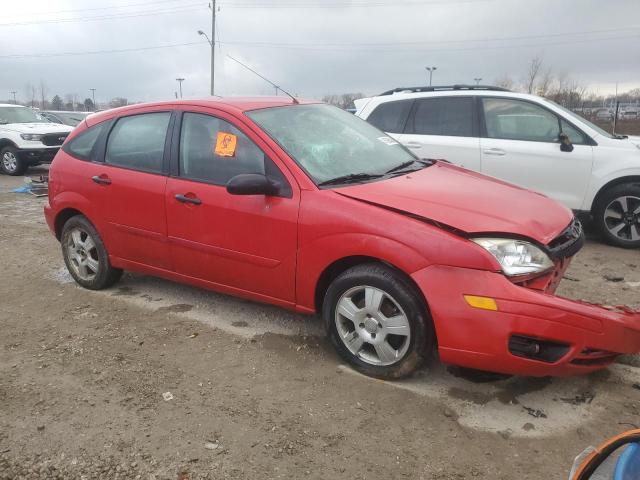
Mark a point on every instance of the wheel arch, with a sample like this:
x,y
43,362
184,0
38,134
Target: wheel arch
x,y
5,142
63,217
332,271
634,179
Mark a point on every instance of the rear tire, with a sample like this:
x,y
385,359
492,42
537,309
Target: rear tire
x,y
377,321
10,162
617,215
85,255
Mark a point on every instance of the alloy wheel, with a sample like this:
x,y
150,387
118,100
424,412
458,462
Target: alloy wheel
x,y
622,218
372,325
83,254
10,162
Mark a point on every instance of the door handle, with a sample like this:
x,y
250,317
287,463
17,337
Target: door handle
x,y
413,145
101,179
494,151
185,199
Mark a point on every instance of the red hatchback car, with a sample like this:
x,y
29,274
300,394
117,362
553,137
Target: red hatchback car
x,y
306,206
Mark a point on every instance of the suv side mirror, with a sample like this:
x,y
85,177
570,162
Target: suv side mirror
x,y
252,184
565,143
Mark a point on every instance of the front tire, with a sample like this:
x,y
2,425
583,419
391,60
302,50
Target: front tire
x,y
10,162
377,321
617,214
86,256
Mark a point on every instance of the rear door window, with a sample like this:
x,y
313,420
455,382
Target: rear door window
x,y
391,117
137,142
449,116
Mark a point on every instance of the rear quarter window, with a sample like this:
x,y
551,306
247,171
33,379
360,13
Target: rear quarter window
x,y
82,145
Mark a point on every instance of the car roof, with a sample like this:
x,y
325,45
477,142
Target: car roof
x,y
236,104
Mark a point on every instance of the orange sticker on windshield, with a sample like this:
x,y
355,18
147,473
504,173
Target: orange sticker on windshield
x,y
226,144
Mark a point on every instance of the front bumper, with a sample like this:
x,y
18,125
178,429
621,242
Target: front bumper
x,y
37,155
591,336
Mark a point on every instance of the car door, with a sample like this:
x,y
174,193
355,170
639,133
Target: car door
x,y
246,243
133,178
520,145
444,128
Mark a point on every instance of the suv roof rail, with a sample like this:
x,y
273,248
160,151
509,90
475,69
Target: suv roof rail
x,y
444,88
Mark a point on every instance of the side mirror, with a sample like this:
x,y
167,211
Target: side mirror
x,y
591,464
252,184
565,143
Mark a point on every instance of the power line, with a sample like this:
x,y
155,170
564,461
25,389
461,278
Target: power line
x,y
333,4
183,8
437,42
394,47
109,7
97,52
316,47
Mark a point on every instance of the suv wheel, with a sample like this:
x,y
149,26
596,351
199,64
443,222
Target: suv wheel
x,y
617,214
10,163
85,255
377,322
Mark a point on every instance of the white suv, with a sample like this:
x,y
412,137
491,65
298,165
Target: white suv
x,y
27,139
523,139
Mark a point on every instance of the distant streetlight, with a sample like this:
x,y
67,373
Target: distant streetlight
x,y
213,49
431,70
93,96
13,92
477,80
180,80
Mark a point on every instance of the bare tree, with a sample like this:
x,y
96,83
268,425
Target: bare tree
x,y
343,101
532,74
505,81
30,93
546,82
44,90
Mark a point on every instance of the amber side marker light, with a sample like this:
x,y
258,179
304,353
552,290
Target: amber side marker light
x,y
483,303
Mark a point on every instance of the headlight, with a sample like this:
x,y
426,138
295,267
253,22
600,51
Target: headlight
x,y
31,136
516,257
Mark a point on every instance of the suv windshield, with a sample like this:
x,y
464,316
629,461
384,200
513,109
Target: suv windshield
x,y
19,115
333,145
583,120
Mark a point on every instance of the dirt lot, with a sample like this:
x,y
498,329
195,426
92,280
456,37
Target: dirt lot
x,y
256,391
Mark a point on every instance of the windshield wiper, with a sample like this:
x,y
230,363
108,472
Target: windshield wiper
x,y
350,178
397,168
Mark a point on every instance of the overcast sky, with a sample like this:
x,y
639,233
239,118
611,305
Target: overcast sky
x,y
310,47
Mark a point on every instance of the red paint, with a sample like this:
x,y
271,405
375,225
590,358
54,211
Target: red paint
x,y
275,250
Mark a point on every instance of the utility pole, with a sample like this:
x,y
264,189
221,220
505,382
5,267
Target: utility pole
x,y
93,96
180,80
431,70
477,80
13,92
213,44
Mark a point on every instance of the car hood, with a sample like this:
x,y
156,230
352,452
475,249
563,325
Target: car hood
x,y
37,128
467,201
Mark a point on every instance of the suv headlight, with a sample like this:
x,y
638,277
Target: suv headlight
x,y
516,257
31,136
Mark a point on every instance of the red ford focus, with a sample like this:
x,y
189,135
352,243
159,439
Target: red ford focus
x,y
310,208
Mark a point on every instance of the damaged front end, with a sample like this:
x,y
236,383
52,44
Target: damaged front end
x,y
526,328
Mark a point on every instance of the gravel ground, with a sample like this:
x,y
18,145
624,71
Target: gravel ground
x,y
155,380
